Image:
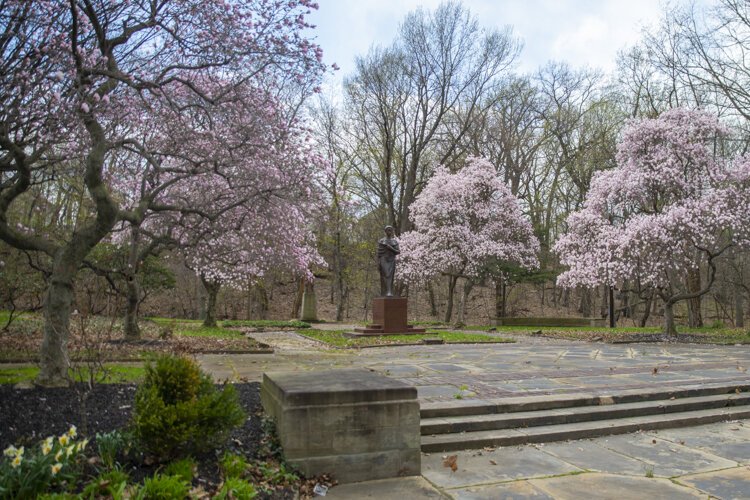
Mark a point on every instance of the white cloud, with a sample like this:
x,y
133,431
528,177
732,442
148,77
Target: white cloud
x,y
580,32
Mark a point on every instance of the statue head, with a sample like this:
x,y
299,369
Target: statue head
x,y
389,231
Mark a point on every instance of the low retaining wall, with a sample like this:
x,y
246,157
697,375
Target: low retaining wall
x,y
354,424
598,322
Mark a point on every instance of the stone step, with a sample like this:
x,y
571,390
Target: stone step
x,y
572,400
580,430
495,421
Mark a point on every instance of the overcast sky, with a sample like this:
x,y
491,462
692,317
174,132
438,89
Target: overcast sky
x,y
581,32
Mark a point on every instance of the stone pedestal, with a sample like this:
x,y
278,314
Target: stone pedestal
x,y
309,304
354,424
388,317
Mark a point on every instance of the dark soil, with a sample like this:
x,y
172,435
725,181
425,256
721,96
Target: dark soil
x,y
29,415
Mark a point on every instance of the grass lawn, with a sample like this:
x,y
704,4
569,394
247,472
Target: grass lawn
x,y
264,323
336,338
113,374
207,331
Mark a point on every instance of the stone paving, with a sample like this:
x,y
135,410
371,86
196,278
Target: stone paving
x,y
450,372
697,462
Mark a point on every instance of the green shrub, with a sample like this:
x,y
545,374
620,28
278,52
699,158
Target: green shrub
x,y
163,487
179,412
183,468
27,473
233,465
235,488
110,484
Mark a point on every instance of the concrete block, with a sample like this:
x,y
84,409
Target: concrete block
x,y
357,425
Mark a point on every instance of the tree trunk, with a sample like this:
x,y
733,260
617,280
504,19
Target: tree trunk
x,y
669,327
132,331
646,310
433,302
449,308
341,306
501,291
463,303
604,304
212,290
54,360
739,307
695,319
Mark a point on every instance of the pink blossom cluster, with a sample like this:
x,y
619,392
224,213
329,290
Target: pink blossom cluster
x,y
670,205
463,222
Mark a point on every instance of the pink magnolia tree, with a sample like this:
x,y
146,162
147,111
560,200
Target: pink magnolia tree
x,y
93,90
258,177
672,206
465,223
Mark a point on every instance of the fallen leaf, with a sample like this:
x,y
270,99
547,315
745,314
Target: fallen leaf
x,y
451,462
653,441
655,371
493,462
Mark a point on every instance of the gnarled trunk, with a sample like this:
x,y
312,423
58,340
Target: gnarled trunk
x,y
54,361
646,311
212,290
695,318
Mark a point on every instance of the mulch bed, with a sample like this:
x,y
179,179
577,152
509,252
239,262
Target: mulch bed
x,y
29,415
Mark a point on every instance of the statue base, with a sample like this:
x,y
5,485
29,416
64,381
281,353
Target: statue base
x,y
388,318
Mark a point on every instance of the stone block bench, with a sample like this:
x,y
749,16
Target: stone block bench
x,y
354,424
520,321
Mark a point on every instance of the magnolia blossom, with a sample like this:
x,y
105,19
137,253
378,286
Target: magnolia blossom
x,y
670,205
463,222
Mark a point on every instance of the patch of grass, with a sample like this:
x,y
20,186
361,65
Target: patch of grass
x,y
17,316
114,374
174,321
265,323
207,331
336,338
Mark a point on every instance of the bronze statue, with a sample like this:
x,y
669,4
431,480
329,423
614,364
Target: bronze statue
x,y
387,251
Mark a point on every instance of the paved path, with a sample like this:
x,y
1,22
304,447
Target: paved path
x,y
444,373
709,461
677,463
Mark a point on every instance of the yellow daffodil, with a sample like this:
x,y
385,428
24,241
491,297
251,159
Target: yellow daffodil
x,y
19,452
58,455
46,448
82,445
72,432
10,451
69,450
63,440
16,461
49,441
56,468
